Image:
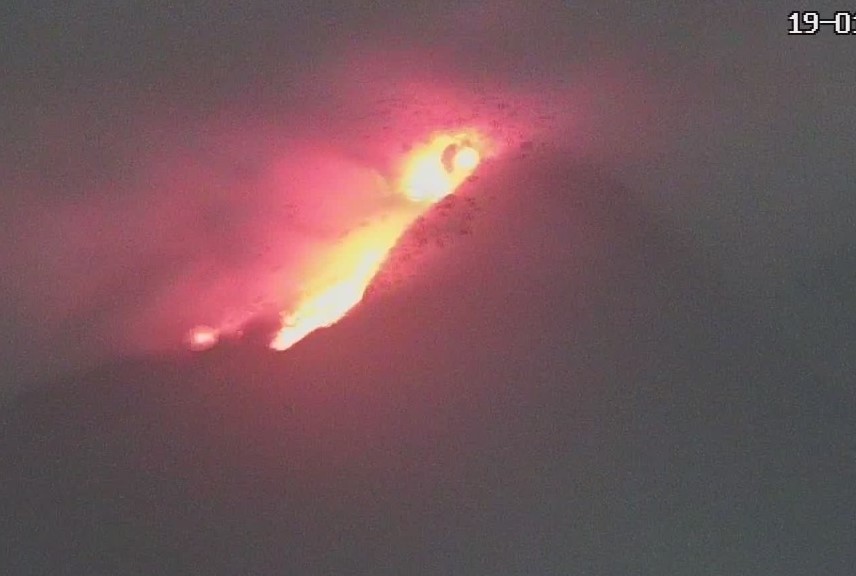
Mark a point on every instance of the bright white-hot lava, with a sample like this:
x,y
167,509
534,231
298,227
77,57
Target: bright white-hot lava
x,y
434,171
339,276
202,338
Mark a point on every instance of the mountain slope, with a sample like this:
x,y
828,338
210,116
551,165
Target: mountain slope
x,y
562,387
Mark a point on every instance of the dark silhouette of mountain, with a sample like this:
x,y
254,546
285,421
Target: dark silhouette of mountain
x,y
565,388
818,311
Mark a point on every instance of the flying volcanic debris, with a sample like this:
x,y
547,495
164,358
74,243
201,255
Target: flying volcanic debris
x,y
339,277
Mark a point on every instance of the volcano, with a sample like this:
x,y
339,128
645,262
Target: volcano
x,y
565,386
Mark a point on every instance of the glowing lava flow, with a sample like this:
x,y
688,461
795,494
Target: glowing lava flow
x,y
431,173
338,277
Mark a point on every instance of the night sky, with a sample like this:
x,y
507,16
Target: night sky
x,y
625,347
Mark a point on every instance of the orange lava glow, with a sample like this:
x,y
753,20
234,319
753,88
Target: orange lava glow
x,y
340,278
429,176
338,275
202,338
